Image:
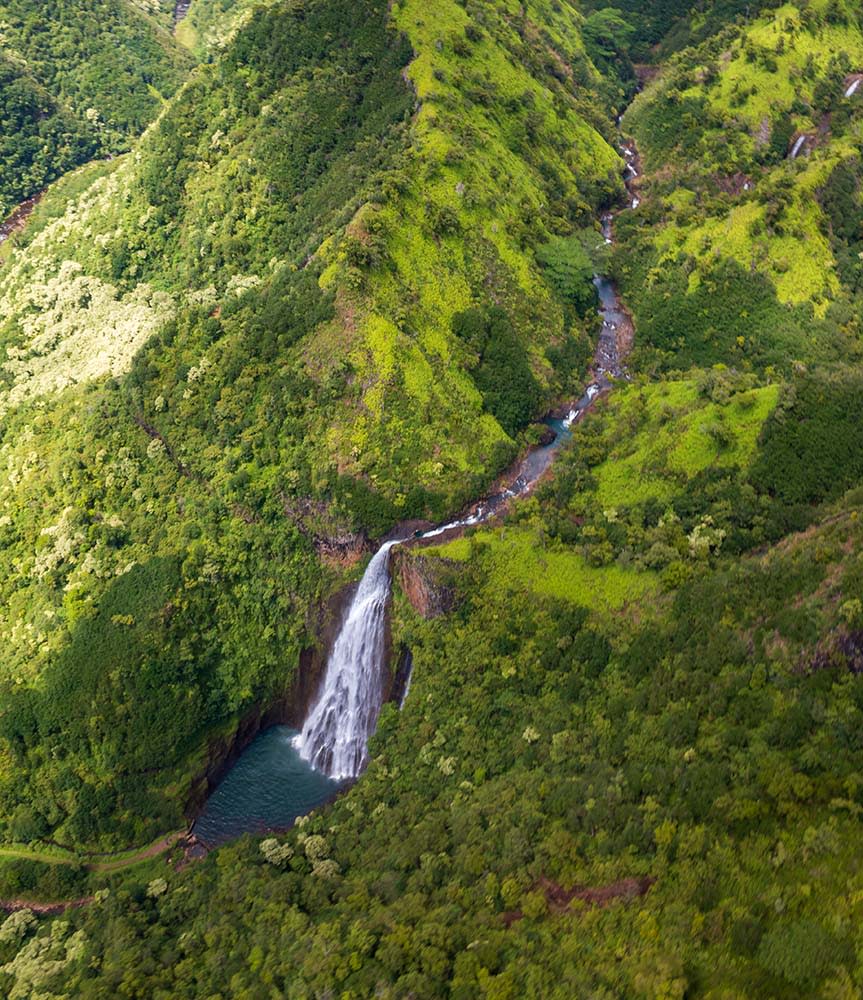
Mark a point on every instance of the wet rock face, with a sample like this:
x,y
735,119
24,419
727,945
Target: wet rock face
x,y
420,579
290,709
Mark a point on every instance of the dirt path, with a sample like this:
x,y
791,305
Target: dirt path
x,y
44,909
109,864
145,853
98,862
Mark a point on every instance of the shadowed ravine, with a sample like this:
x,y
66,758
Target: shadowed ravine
x,y
284,775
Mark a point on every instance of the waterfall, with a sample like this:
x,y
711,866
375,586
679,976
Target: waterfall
x,y
335,735
852,89
798,145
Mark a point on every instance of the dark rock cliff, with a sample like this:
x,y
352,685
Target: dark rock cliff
x,y
290,708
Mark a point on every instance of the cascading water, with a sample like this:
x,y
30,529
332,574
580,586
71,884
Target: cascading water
x,y
335,735
181,9
799,143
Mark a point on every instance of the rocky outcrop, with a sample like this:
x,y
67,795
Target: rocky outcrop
x,y
423,582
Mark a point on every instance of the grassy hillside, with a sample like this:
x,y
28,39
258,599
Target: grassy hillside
x,y
284,319
210,24
737,257
329,289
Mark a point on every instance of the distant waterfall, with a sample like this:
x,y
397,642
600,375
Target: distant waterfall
x,y
335,736
798,146
181,9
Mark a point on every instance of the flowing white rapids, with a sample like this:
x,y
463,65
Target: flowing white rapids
x,y
334,737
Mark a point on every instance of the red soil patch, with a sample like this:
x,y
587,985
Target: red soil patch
x,y
44,909
560,899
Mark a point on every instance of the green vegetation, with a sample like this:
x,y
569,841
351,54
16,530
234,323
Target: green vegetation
x,y
332,287
210,24
675,431
39,139
524,558
134,622
77,80
734,231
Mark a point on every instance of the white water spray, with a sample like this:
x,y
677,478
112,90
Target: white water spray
x,y
852,89
335,736
798,146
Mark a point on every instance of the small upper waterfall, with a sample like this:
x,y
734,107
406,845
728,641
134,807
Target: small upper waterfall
x,y
336,733
852,88
799,143
181,9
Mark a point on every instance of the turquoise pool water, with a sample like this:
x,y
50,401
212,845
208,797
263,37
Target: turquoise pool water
x,y
267,789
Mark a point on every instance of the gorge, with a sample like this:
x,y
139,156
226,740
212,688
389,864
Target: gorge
x,y
283,774
380,617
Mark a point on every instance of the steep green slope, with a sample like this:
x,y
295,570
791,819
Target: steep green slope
x,y
149,599
328,290
78,80
107,58
246,342
733,257
39,138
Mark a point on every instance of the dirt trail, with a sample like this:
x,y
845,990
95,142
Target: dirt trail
x,y
560,900
152,851
109,864
44,909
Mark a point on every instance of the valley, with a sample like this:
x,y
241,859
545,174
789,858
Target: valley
x,y
431,474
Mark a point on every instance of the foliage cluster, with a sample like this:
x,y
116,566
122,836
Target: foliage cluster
x,y
78,79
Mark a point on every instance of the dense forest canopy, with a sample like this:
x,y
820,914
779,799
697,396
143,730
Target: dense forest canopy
x,y
305,271
77,80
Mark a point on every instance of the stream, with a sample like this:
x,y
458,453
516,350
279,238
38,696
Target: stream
x,y
285,774
15,222
181,9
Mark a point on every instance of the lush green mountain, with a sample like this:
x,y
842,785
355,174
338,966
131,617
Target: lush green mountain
x,y
249,339
729,210
78,80
328,290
